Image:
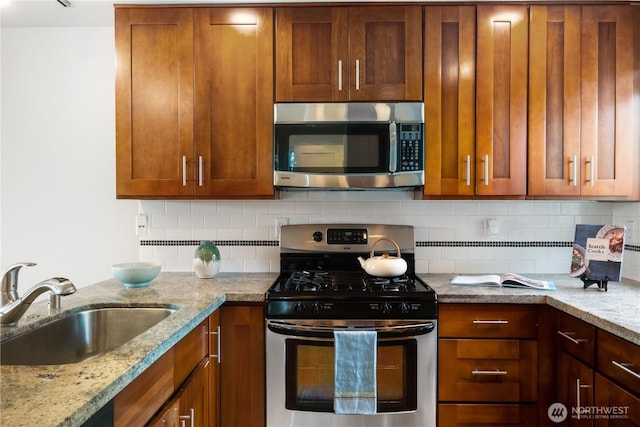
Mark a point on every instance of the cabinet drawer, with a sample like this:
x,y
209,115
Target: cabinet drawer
x,y
487,370
576,338
487,321
190,350
619,359
450,415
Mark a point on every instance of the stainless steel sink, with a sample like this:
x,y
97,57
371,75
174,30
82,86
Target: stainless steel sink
x,y
81,335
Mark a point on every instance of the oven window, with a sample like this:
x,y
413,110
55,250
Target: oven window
x,y
310,375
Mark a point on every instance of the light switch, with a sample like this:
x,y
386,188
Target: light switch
x,y
492,227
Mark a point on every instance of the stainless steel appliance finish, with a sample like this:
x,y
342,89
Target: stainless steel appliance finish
x,y
349,145
322,289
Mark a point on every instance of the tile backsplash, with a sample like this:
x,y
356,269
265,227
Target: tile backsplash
x,y
451,236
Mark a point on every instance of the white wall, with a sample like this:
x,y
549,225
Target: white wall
x,y
58,156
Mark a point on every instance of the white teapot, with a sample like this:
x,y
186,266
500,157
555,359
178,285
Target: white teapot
x,y
384,265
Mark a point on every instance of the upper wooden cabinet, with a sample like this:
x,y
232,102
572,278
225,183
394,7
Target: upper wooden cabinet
x,y
193,118
355,53
581,140
449,100
501,116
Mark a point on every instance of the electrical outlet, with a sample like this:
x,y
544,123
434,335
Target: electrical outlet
x,y
491,227
141,225
630,225
279,223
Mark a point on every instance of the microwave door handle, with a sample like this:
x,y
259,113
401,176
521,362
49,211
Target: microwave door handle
x,y
393,148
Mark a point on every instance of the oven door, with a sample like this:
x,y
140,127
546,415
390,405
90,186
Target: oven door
x,y
300,373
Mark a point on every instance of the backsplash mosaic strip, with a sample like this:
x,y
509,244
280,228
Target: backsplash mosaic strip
x,y
215,242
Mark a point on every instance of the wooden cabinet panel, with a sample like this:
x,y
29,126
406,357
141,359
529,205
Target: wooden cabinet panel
x,y
575,388
234,102
214,375
487,370
169,417
189,351
449,97
356,53
154,101
554,101
487,321
312,54
619,360
194,402
501,120
242,366
385,49
607,100
137,403
625,404
463,415
576,338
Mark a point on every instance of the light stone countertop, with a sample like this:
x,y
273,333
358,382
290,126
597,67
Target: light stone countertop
x,y
67,395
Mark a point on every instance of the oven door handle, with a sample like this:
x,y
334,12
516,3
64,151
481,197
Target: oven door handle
x,y
315,331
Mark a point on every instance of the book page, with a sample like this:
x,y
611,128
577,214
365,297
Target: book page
x,y
477,280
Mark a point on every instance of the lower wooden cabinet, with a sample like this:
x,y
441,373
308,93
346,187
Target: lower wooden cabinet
x,y
242,366
624,405
492,415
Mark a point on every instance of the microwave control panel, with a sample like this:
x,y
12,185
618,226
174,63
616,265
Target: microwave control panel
x,y
411,156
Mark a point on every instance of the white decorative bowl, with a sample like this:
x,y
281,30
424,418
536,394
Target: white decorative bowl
x,y
135,274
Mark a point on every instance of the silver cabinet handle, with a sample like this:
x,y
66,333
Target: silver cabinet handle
x,y
393,148
568,336
574,170
340,74
578,389
184,171
467,162
486,169
592,169
357,74
623,366
217,334
200,171
482,372
490,322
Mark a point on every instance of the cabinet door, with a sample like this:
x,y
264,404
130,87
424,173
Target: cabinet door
x,y
234,102
242,366
214,375
312,51
554,101
385,53
464,415
607,100
501,120
194,402
169,417
154,102
449,98
612,397
575,389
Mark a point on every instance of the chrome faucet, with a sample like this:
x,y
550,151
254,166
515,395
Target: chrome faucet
x,y
13,307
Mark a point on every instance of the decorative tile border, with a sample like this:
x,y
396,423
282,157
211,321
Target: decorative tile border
x,y
419,244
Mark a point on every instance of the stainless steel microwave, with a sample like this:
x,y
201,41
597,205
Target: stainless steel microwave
x,y
349,145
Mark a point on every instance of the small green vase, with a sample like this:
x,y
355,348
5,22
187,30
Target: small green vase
x,y
206,260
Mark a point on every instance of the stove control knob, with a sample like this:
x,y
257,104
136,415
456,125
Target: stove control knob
x,y
316,307
404,308
386,308
317,236
298,307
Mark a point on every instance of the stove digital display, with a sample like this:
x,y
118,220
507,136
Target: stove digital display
x,y
340,236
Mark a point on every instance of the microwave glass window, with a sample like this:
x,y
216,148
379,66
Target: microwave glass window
x,y
310,375
332,152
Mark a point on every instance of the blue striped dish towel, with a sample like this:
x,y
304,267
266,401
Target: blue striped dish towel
x,y
355,372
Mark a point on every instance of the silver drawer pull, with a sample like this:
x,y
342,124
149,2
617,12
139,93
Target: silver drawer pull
x,y
481,372
490,322
623,366
568,336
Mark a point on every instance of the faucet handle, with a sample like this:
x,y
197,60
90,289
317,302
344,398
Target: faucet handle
x,y
10,281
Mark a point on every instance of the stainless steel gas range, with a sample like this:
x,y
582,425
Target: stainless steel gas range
x,y
322,290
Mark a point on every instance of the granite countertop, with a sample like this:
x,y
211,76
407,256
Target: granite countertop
x,y
67,395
